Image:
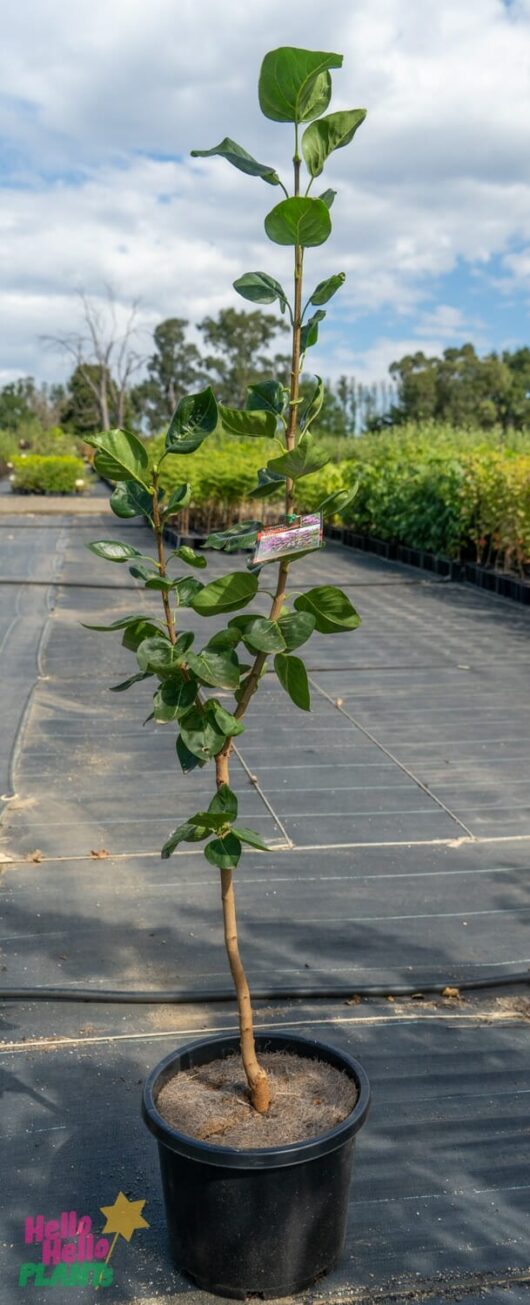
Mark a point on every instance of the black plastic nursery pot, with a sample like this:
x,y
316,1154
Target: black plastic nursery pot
x,y
264,1221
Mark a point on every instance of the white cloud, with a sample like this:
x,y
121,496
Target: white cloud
x,y
102,101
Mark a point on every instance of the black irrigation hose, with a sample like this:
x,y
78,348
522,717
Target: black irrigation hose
x,y
191,997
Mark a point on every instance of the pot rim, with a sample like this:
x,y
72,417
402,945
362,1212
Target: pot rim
x,y
257,1157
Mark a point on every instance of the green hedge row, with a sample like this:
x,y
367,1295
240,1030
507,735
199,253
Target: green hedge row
x,y
34,474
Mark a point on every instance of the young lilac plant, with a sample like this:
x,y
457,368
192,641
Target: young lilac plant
x,y
295,88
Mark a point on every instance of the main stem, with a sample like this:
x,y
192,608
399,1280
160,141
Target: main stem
x,y
256,1076
159,536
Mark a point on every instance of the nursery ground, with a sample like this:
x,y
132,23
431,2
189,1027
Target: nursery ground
x,y
399,823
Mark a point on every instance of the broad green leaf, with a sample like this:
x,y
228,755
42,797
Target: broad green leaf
x,y
226,594
185,833
309,332
338,501
159,656
223,639
186,590
112,550
328,197
298,221
224,852
266,395
174,698
259,633
312,407
159,582
188,760
225,721
326,289
330,133
189,555
130,500
296,628
178,499
294,84
120,456
121,624
242,422
194,418
239,158
238,537
143,571
224,802
126,684
331,608
221,669
292,675
248,836
260,288
301,461
208,821
268,483
135,633
201,735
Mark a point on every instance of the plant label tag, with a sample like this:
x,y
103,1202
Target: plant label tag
x,y
303,535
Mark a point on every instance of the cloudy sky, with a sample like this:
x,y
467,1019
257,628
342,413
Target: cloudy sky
x,y
101,101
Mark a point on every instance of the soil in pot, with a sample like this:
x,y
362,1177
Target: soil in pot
x,y
211,1103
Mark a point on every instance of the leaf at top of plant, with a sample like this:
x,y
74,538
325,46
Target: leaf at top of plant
x,y
189,555
292,675
268,483
260,288
326,289
126,684
266,395
120,455
179,498
338,501
300,461
113,550
331,608
241,159
296,628
248,836
224,802
185,833
224,852
328,197
218,668
294,84
241,536
129,499
311,408
194,418
331,133
299,220
259,633
242,422
309,332
226,594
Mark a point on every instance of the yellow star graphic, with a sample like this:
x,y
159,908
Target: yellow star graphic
x,y
124,1217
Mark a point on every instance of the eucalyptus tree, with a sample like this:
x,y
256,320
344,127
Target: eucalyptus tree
x,y
294,88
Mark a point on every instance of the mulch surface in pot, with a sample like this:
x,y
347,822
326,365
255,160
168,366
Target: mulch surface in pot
x,y
211,1102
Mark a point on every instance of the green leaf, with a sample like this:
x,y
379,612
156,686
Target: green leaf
x,y
188,760
259,633
238,537
327,197
226,594
338,501
186,590
174,698
248,836
312,408
159,656
185,833
112,550
142,571
331,608
224,852
296,628
221,669
330,133
239,158
121,624
294,84
126,684
223,640
309,332
189,555
194,418
298,221
159,582
137,631
225,721
268,483
241,422
130,500
120,456
224,802
178,499
201,735
208,821
292,675
260,288
266,395
301,461
326,289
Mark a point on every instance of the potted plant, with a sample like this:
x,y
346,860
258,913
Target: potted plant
x,y
257,1204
